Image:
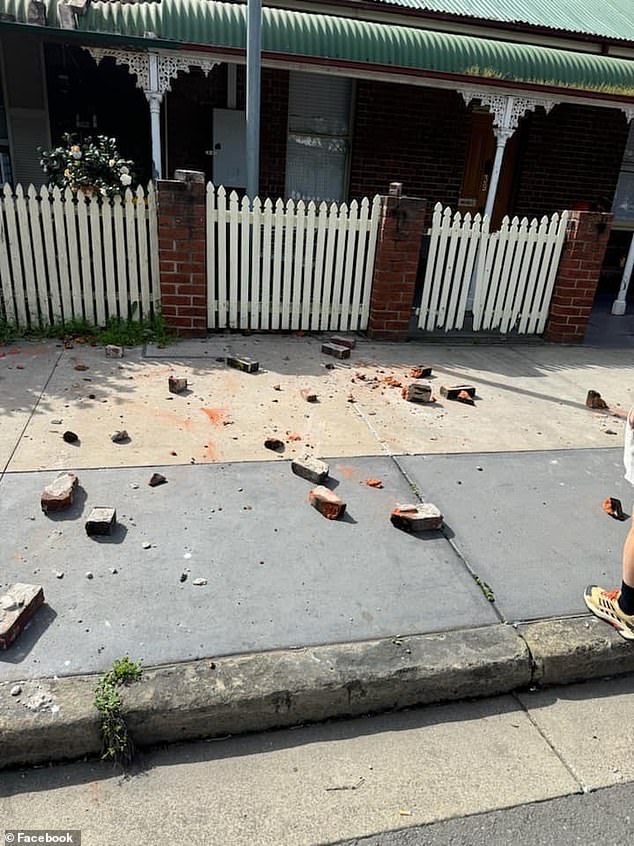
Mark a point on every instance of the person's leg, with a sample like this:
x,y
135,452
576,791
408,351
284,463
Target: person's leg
x,y
626,598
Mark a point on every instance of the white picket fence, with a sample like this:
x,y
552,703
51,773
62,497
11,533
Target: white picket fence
x,y
505,277
289,265
69,257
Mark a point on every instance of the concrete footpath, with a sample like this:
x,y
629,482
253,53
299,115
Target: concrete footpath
x,y
246,607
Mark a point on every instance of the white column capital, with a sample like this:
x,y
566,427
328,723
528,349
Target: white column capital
x,y
507,109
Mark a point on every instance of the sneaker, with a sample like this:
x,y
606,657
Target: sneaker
x,y
604,604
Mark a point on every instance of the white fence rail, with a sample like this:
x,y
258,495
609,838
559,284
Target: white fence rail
x,y
506,277
289,265
65,257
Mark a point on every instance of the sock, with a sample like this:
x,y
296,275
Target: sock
x,y
626,599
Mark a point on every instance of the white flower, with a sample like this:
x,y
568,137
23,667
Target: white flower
x,y
104,192
76,154
125,170
126,179
111,163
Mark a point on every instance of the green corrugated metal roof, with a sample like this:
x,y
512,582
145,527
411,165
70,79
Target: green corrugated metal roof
x,y
607,18
348,39
291,33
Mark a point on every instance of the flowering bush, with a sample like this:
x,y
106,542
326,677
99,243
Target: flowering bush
x,y
94,166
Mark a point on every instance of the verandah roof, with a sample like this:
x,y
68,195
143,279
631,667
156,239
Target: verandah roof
x,y
348,40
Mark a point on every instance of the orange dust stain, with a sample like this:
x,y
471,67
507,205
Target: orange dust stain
x,y
184,422
216,415
346,471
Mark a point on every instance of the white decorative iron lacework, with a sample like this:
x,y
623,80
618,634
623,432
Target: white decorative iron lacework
x,y
169,64
506,109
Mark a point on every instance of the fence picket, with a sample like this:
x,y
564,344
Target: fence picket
x,y
309,264
50,254
97,261
140,217
278,245
210,246
351,233
289,233
87,273
557,235
234,268
498,303
445,230
267,231
131,254
538,253
40,279
359,264
326,292
8,302
456,234
14,253
256,278
74,267
369,266
298,264
221,281
123,290
28,265
152,223
516,288
318,284
245,296
340,249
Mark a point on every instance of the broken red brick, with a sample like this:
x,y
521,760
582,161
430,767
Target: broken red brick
x,y
156,480
308,395
17,607
327,502
177,384
336,350
277,387
312,469
465,397
418,392
613,507
424,517
453,391
420,372
60,493
81,367
372,483
275,444
101,521
393,382
247,365
595,400
293,436
343,341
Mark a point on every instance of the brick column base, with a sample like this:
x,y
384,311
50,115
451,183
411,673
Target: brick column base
x,y
578,276
397,254
182,252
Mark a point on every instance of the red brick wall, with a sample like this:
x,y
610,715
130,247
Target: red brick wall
x,y
404,133
395,266
578,276
571,155
181,231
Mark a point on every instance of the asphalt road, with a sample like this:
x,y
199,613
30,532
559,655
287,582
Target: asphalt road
x,y
603,817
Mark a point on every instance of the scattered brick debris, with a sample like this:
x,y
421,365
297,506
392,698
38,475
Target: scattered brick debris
x,y
277,387
343,341
420,372
423,517
393,382
81,367
247,365
372,483
312,469
466,398
177,384
17,606
60,494
308,395
101,521
327,502
293,436
350,398
336,350
613,507
418,392
113,351
156,480
275,444
120,437
595,400
453,392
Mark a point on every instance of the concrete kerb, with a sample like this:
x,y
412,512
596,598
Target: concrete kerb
x,y
248,693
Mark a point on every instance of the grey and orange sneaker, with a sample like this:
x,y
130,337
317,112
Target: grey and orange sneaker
x,y
604,604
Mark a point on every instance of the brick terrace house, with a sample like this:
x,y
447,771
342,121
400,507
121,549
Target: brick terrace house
x,y
516,106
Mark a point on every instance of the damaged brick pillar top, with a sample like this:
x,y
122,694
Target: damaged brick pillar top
x,y
398,249
182,252
578,276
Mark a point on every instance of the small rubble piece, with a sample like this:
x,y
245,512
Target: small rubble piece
x,y
343,341
453,392
81,367
418,392
59,494
464,397
308,395
101,521
59,574
247,365
372,483
423,517
292,437
90,575
113,351
156,480
393,382
596,401
420,372
275,444
199,582
183,577
119,437
329,365
312,469
327,502
70,437
336,350
277,387
146,545
56,422
350,398
16,690
613,507
177,384
17,607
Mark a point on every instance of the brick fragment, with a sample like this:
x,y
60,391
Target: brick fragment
x,y
101,521
465,397
420,372
119,437
327,502
156,480
424,517
70,437
177,384
343,341
308,395
247,365
335,350
418,392
312,469
452,391
113,351
17,607
275,444
613,507
595,400
60,493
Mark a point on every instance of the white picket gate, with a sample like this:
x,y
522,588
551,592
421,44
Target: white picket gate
x,y
289,265
67,257
506,278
